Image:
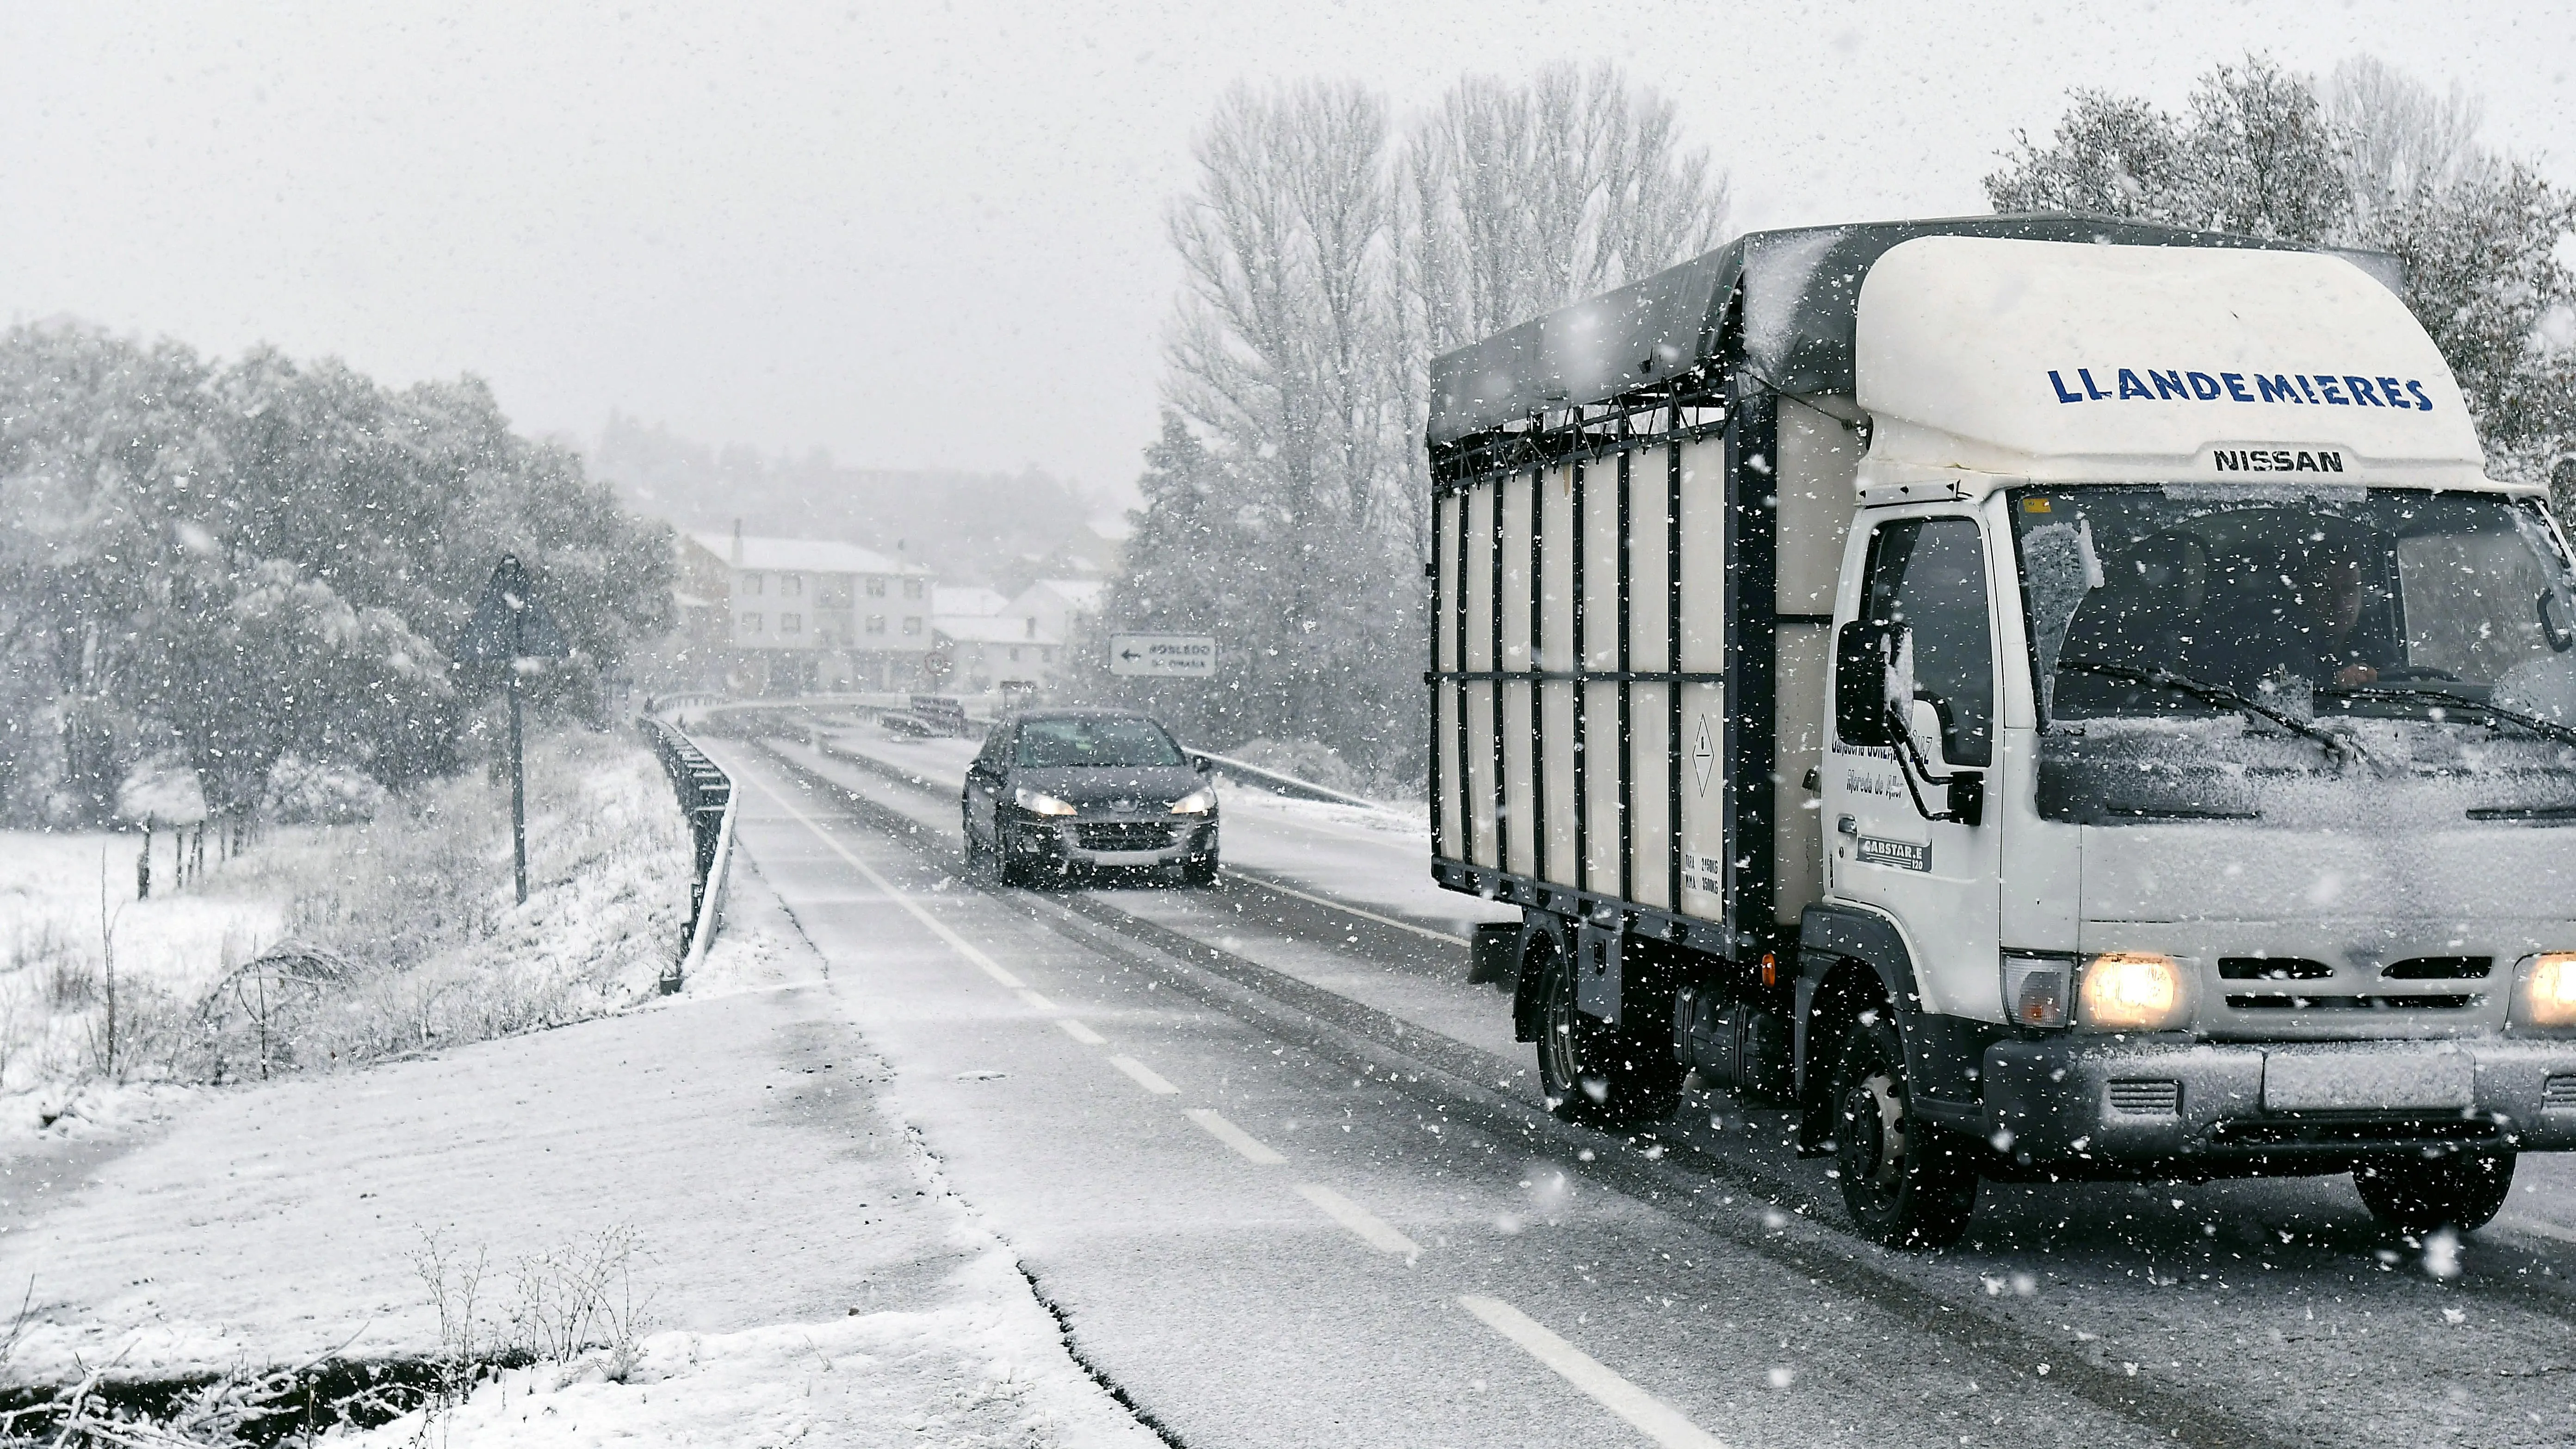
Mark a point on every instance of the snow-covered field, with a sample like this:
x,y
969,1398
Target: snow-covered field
x,y
415,908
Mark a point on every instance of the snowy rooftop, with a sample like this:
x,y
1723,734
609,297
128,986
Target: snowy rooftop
x,y
966,601
986,629
801,555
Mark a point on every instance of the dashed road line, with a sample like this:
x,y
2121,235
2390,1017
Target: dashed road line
x,y
1348,909
1253,1148
1644,1412
1080,1033
938,928
1145,1076
1369,1228
1038,1002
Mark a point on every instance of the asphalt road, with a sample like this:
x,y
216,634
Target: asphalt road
x,y
1287,1180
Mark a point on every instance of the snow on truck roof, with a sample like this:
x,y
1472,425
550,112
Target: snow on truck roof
x,y
1801,294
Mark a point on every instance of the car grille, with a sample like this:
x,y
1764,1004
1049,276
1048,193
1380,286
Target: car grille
x,y
2558,1094
1123,835
2146,1099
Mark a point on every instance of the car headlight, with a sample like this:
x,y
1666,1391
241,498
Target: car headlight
x,y
1039,802
2133,991
1198,802
2546,993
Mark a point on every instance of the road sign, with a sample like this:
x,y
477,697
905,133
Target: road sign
x,y
1163,656
510,623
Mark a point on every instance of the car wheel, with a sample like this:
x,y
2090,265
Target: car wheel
x,y
2464,1190
1200,871
1906,1183
1592,1072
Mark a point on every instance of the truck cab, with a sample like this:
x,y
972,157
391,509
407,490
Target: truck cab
x,y
2178,778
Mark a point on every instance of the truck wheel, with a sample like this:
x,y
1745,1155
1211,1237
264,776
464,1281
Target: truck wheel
x,y
2419,1194
1906,1183
1595,1073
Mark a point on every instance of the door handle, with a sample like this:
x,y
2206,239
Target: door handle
x,y
1846,825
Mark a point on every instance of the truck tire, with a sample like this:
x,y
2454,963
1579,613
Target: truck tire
x,y
2464,1190
1906,1183
1598,1074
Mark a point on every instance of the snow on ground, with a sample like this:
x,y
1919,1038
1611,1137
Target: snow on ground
x,y
419,899
805,1268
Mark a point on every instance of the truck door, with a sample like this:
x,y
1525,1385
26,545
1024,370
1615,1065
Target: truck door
x,y
1935,877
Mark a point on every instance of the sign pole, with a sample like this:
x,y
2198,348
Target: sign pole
x,y
518,760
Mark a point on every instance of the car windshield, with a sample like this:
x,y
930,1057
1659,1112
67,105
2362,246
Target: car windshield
x,y
1109,740
2392,602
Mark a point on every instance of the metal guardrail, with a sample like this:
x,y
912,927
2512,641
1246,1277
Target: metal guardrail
x,y
1288,785
706,797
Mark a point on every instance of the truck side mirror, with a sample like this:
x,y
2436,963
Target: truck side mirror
x,y
1869,697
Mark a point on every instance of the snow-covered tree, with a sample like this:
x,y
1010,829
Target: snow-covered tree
x,y
227,563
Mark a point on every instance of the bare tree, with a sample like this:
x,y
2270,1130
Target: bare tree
x,y
2398,136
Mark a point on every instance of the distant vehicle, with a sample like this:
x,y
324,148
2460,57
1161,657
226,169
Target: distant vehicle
x,y
1065,791
1889,678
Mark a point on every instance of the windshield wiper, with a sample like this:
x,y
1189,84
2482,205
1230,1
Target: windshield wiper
x,y
2546,729
2217,694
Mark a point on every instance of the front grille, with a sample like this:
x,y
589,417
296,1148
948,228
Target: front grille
x,y
1123,835
2354,1003
2439,968
2273,968
2146,1099
2558,1094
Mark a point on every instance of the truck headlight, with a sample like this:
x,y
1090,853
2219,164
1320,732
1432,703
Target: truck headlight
x,y
2133,991
1039,802
1198,802
2035,988
2546,994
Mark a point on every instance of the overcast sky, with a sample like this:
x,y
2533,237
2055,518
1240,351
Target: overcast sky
x,y
930,234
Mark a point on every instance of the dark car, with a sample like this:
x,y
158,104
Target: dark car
x,y
1060,791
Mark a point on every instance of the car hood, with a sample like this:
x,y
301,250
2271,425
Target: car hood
x,y
1147,789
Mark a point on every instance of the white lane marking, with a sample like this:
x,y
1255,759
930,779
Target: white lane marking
x,y
1644,1412
960,944
1079,1032
1367,1225
1037,1001
1349,910
1235,1137
1145,1076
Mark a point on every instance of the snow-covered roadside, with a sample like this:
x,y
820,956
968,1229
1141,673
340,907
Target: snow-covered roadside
x,y
417,904
808,1271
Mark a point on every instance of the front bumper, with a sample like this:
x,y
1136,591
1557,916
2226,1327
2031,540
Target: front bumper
x,y
1113,842
2078,1103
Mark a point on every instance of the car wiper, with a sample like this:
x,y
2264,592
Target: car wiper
x,y
2546,729
2208,693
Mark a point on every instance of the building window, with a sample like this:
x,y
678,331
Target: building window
x,y
790,585
876,623
751,623
1046,655
912,588
912,626
791,623
876,588
751,583
1015,654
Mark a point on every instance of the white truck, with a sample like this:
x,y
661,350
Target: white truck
x,y
2044,696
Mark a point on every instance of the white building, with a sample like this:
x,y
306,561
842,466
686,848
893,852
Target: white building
x,y
791,615
989,643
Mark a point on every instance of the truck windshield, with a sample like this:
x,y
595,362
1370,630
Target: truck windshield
x,y
2147,600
